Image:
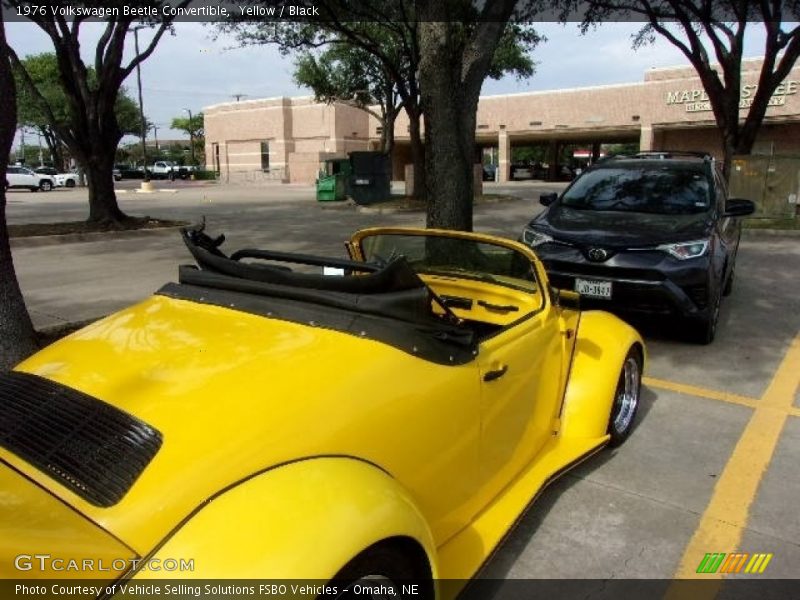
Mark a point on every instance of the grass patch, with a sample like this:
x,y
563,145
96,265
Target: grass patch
x,y
132,224
784,223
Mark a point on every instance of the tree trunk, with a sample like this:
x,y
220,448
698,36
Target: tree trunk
x,y
103,206
17,337
387,133
449,129
420,191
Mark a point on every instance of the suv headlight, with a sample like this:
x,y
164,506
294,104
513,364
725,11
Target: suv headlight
x,y
686,250
535,238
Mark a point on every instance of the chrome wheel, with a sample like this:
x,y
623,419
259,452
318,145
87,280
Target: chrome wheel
x,y
626,400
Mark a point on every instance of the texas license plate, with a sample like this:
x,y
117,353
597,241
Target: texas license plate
x,y
593,288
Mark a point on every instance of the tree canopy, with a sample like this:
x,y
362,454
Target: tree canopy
x,y
390,34
711,33
44,73
93,130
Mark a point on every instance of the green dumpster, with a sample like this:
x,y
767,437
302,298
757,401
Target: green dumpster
x,y
333,179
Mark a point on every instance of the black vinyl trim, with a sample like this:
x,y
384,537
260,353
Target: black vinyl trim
x,y
421,334
91,447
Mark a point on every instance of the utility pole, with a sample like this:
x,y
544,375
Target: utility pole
x,y
154,127
238,96
39,136
141,103
22,142
191,134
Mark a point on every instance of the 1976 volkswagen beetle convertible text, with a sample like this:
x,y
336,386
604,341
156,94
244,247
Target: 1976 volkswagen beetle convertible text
x,y
390,417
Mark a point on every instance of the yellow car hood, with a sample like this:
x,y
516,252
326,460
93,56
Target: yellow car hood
x,y
232,394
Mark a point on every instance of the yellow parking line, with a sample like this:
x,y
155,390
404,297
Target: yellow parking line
x,y
721,526
692,390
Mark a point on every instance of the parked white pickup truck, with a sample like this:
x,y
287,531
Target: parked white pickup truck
x,y
166,169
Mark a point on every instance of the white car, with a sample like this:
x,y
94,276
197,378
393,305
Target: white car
x,y
22,177
69,180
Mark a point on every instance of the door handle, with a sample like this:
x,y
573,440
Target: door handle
x,y
495,374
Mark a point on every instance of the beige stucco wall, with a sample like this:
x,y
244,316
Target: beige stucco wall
x,y
665,111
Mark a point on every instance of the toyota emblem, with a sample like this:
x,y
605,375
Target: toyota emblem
x,y
597,254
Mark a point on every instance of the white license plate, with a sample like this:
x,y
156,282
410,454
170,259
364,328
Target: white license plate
x,y
592,288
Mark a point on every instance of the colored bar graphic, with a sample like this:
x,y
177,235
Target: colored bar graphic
x,y
720,562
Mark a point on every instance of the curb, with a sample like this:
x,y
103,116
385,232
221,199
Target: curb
x,y
755,232
94,236
52,333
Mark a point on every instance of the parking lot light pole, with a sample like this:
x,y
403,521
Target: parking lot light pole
x,y
191,135
141,103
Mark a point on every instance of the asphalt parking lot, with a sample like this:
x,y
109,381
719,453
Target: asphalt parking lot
x,y
711,466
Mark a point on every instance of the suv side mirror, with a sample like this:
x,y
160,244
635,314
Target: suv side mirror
x,y
739,207
547,199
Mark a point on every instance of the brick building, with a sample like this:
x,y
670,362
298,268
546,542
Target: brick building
x,y
285,139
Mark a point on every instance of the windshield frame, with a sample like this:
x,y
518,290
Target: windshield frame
x,y
536,284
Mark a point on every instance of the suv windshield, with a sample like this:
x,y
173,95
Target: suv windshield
x,y
664,189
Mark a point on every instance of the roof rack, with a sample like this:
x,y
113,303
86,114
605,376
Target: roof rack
x,y
664,154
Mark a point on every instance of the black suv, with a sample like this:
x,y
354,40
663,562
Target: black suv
x,y
654,233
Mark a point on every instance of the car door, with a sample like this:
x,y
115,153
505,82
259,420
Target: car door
x,y
728,229
14,177
520,372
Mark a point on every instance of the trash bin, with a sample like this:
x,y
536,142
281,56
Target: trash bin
x,y
371,180
333,179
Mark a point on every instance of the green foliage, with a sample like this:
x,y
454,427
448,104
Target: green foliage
x,y
513,53
192,127
31,156
343,73
205,175
195,129
43,70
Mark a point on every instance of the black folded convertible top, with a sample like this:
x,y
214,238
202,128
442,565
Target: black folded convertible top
x,y
387,303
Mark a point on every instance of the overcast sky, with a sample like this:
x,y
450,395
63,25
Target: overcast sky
x,y
191,70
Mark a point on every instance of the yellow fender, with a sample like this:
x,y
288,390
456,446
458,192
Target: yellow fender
x,y
603,342
303,520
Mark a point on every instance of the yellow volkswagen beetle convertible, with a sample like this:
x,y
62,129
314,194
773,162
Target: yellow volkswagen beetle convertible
x,y
385,418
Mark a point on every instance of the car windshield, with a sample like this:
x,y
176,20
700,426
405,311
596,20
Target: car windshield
x,y
650,189
468,259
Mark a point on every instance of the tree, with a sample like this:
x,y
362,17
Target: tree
x,y
195,129
17,337
687,24
457,47
387,32
391,33
348,75
93,131
44,73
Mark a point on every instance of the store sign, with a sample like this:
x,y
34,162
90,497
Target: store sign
x,y
697,100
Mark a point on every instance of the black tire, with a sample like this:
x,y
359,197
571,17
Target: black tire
x,y
70,183
382,565
626,398
726,291
704,330
45,185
